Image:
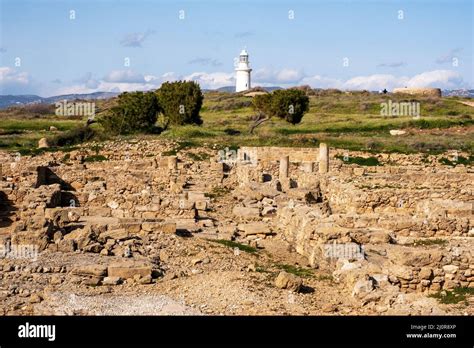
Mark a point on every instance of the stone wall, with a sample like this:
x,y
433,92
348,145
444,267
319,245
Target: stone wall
x,y
272,154
425,92
385,209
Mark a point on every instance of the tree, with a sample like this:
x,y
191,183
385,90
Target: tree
x,y
134,112
180,102
289,104
262,104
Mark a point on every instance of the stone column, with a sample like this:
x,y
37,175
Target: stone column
x,y
284,166
323,158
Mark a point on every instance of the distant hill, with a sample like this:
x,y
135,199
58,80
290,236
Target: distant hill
x,y
458,93
90,96
12,100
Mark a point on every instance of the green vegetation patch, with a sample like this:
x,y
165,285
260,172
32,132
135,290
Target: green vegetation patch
x,y
217,192
95,158
198,157
74,136
181,145
362,161
233,245
455,296
298,271
461,160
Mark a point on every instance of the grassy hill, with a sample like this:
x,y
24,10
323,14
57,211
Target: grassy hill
x,y
345,120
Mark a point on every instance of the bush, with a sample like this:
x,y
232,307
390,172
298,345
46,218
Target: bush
x,y
362,161
134,112
73,137
180,102
290,104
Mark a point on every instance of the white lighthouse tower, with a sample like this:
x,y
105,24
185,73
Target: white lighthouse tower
x,y
242,72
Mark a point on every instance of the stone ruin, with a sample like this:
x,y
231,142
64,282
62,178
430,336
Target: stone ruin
x,y
325,208
423,92
403,226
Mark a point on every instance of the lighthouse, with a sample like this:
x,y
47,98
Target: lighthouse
x,y
242,78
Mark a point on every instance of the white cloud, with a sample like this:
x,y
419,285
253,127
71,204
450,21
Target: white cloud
x,y
13,81
270,76
9,75
375,82
444,79
318,81
117,81
212,80
127,76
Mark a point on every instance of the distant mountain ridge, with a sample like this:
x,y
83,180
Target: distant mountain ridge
x,y
458,93
11,100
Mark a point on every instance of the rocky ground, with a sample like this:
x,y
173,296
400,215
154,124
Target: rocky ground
x,y
140,228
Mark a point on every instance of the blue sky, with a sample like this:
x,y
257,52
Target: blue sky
x,y
429,43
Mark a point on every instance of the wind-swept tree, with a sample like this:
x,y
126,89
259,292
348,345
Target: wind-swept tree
x,y
288,104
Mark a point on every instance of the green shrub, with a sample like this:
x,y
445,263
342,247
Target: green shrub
x,y
74,136
233,245
134,112
455,296
180,102
298,271
289,104
95,158
362,161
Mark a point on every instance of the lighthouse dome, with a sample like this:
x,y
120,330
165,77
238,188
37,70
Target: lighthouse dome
x,y
244,53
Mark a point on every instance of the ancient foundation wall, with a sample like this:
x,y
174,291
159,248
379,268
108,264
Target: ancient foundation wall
x,y
268,154
426,92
